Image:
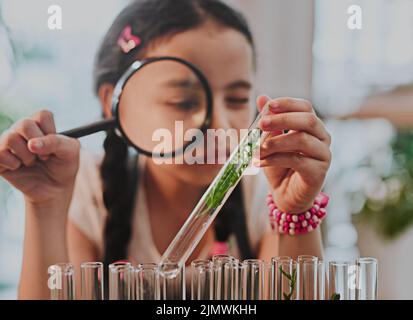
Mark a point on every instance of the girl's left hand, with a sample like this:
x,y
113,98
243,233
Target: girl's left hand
x,y
295,163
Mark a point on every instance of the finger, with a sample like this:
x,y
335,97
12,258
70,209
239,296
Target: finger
x,y
297,121
44,158
261,101
298,142
18,147
28,129
8,161
286,104
303,165
45,121
62,147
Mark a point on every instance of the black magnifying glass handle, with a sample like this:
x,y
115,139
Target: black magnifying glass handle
x,y
86,130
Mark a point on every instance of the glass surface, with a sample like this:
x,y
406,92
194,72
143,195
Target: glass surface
x,y
158,123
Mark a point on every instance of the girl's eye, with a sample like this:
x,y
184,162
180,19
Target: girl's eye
x,y
185,104
237,101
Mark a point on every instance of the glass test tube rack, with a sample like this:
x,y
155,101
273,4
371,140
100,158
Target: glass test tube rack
x,y
221,278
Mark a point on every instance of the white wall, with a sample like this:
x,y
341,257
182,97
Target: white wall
x,y
283,32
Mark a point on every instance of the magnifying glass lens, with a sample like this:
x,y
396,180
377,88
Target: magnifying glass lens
x,y
159,103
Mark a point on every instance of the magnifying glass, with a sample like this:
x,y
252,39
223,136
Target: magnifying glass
x,y
162,93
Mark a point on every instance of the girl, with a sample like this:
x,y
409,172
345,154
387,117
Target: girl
x,y
81,207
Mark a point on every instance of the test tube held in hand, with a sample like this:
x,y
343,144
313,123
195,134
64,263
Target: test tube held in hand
x,y
171,281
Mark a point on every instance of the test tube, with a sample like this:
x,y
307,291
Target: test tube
x,y
237,283
201,280
120,281
321,280
92,281
172,281
283,278
253,279
215,196
307,277
224,275
61,281
146,282
366,279
338,280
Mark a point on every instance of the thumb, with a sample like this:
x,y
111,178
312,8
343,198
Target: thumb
x,y
62,147
261,102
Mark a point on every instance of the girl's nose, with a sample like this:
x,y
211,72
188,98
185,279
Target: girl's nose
x,y
219,118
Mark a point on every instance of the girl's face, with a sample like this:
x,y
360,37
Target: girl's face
x,y
226,59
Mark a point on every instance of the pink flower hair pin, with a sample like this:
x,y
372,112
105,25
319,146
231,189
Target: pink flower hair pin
x,y
127,41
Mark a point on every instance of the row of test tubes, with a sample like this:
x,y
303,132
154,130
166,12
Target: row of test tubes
x,y
222,278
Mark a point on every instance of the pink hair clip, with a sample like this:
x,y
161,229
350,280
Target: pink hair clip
x,y
127,41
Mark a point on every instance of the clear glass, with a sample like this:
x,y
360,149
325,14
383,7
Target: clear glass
x,y
201,280
307,277
237,280
224,274
61,281
366,279
172,281
253,280
146,282
120,281
92,283
283,278
321,280
215,197
338,280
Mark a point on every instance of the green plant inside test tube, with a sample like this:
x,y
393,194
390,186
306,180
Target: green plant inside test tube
x,y
213,199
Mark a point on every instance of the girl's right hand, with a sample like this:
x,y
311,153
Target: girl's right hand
x,y
37,161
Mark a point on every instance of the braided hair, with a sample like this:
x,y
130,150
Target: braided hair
x,y
152,20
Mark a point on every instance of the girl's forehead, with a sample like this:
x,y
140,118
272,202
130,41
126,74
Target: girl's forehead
x,y
224,55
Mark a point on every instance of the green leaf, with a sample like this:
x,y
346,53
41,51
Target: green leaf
x,y
335,296
233,171
285,273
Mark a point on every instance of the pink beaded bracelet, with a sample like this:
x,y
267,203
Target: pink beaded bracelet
x,y
292,224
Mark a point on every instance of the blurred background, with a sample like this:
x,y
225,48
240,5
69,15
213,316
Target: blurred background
x,y
360,81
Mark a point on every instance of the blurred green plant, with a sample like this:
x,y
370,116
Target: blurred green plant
x,y
5,121
391,213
